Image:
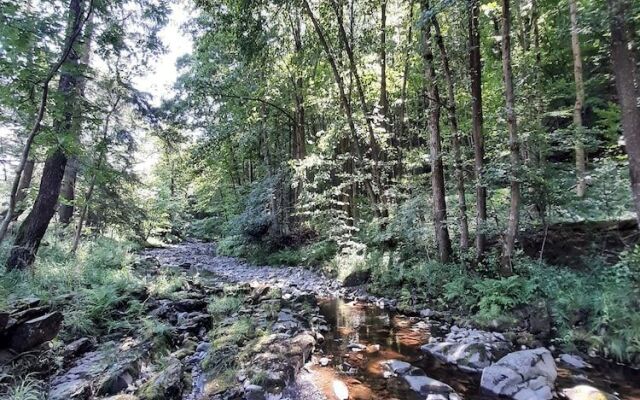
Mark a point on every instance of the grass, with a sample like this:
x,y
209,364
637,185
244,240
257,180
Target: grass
x,y
224,306
26,388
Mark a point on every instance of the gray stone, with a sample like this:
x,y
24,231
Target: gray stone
x,y
424,385
254,392
397,366
32,333
167,384
471,350
574,361
586,392
523,375
77,347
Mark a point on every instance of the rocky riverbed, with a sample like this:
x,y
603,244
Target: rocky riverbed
x,y
231,330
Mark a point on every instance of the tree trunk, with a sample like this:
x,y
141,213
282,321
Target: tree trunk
x,y
475,72
401,124
35,225
455,140
581,167
23,188
437,170
67,191
626,76
74,29
514,148
384,96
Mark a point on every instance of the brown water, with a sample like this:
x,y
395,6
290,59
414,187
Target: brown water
x,y
400,337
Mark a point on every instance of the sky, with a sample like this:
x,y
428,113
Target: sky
x,y
162,71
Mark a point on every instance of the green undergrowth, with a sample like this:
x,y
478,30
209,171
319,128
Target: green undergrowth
x,y
593,309
96,289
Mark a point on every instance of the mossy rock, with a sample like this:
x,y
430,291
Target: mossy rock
x,y
165,385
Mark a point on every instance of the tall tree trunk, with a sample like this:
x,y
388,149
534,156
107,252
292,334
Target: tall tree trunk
x,y
627,81
74,28
475,72
581,167
35,224
344,101
435,145
455,139
402,112
514,148
384,96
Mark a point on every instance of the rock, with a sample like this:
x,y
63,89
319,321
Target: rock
x,y
122,397
356,347
586,392
77,347
470,349
574,361
167,384
254,392
185,265
119,377
397,367
356,278
203,347
523,375
302,345
32,333
424,385
30,313
189,305
426,313
340,390
324,361
4,320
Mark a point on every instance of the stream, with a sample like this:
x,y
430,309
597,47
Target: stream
x,y
400,337
362,336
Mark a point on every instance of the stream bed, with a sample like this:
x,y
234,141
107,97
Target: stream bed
x,y
362,337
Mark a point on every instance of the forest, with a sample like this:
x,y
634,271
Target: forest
x,y
327,199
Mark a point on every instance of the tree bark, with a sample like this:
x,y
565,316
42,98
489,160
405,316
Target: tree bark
x,y
475,72
35,224
23,188
455,139
67,191
384,96
581,167
627,80
435,145
73,32
514,148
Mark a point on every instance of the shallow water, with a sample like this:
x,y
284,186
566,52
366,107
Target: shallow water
x,y
400,337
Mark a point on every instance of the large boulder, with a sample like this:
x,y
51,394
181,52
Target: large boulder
x,y
34,332
470,350
167,384
523,375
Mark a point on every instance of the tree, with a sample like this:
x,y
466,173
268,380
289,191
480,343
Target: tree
x,y
432,98
514,146
74,28
581,185
475,73
626,77
455,139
